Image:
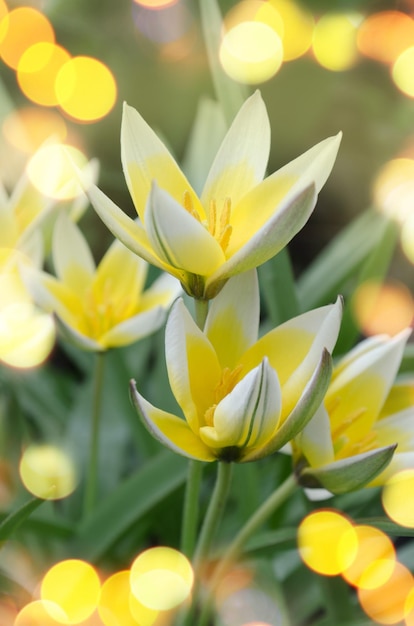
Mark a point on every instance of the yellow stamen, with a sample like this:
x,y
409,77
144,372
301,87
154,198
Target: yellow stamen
x,y
189,206
344,425
226,384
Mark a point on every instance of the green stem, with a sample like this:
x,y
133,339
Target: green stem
x,y
275,500
201,310
190,512
92,474
214,512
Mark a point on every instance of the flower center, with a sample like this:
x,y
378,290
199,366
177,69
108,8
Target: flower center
x,y
102,312
218,222
226,384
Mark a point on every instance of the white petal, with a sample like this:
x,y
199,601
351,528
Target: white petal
x,y
249,415
233,319
242,159
145,158
72,257
134,328
178,238
383,360
315,164
315,439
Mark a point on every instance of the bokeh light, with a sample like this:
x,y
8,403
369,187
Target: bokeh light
x,y
37,71
113,607
384,35
51,171
27,335
382,308
397,498
387,604
74,586
393,189
156,4
85,89
254,10
374,560
21,28
41,613
402,72
407,237
28,128
334,40
161,568
327,542
251,52
298,26
47,471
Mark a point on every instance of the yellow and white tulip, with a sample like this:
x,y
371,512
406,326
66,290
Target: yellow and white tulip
x,y
242,397
105,306
240,219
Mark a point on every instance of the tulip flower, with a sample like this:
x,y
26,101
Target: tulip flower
x,y
100,307
353,436
238,222
242,397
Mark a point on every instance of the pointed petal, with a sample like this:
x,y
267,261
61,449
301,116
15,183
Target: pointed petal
x,y
193,368
308,403
134,328
171,431
294,349
348,474
315,441
72,257
254,241
249,415
178,238
145,159
315,164
364,385
231,325
128,231
242,159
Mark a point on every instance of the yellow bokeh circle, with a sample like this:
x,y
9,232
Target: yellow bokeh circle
x,y
383,308
298,27
52,171
327,542
373,563
251,52
47,472
37,71
20,29
402,72
397,498
161,578
334,41
40,613
85,88
387,604
28,128
114,602
74,586
393,189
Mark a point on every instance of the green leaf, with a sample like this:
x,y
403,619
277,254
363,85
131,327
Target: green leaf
x,y
15,519
387,526
128,503
230,94
348,474
277,288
